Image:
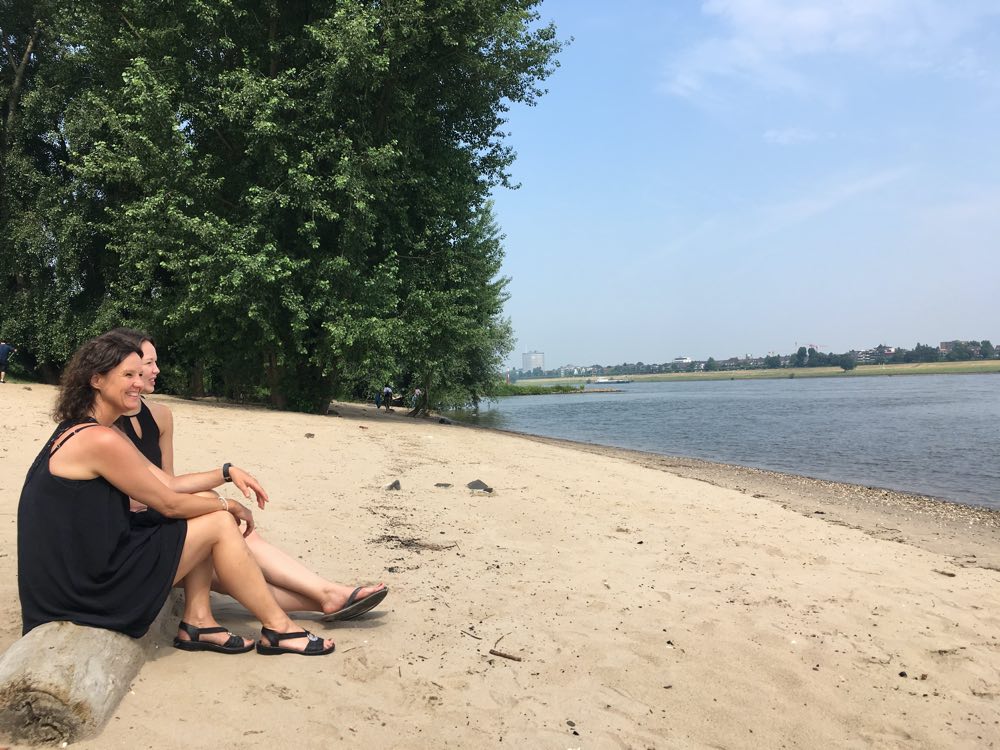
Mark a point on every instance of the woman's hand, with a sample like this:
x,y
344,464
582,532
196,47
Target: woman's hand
x,y
242,514
245,482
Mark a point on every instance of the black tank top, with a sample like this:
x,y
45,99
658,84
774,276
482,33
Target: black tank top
x,y
149,446
149,443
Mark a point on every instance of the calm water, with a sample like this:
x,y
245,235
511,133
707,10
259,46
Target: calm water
x,y
930,434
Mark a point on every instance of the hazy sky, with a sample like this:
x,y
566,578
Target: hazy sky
x,y
730,177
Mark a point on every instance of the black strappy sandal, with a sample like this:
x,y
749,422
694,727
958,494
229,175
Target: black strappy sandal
x,y
234,645
313,648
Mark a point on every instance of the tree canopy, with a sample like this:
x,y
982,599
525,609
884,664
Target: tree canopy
x,y
293,198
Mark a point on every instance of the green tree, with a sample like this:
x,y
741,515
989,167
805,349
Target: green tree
x,y
801,357
772,361
986,349
454,335
960,352
264,186
847,362
711,365
923,353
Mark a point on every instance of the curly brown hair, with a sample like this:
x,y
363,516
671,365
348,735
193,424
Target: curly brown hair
x,y
96,357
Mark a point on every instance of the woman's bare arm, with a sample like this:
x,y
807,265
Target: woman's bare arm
x,y
165,423
105,452
202,480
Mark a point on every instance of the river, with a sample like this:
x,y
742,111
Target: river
x,y
935,435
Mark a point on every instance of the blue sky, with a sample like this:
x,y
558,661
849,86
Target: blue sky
x,y
731,177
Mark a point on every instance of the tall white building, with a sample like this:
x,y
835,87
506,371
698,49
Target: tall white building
x,y
531,360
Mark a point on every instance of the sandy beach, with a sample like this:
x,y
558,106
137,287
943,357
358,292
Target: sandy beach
x,y
651,602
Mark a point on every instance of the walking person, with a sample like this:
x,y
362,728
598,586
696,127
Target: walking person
x,y
5,351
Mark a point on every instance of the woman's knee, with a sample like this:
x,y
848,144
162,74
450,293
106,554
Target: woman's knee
x,y
215,525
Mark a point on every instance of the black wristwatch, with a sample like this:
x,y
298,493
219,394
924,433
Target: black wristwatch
x,y
225,472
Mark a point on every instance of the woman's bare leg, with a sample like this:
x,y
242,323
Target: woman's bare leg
x,y
214,536
294,586
198,605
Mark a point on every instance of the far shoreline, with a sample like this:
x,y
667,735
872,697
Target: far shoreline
x,y
975,367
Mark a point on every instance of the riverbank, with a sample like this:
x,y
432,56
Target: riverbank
x,y
648,608
915,368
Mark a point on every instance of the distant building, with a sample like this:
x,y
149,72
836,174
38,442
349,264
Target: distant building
x,y
531,360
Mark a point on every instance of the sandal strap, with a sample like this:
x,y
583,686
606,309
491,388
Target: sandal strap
x,y
315,644
273,637
196,633
234,641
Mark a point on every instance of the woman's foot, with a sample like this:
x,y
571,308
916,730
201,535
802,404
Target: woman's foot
x,y
300,642
210,637
344,603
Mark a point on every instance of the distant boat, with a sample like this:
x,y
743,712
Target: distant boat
x,y
602,381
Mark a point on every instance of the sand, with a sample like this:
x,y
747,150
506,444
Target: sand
x,y
651,602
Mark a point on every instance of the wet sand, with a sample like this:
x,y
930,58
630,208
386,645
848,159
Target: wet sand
x,y
652,602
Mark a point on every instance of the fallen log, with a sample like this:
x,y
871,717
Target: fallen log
x,y
62,682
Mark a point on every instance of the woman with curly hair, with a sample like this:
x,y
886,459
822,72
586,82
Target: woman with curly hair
x,y
81,558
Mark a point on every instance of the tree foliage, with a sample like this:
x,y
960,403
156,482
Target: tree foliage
x,y
293,197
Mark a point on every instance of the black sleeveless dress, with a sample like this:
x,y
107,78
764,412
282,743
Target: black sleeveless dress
x,y
80,558
149,446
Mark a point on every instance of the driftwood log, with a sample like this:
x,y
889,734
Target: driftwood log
x,y
62,682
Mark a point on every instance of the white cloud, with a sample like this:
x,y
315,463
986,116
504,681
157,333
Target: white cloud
x,y
762,40
791,136
831,197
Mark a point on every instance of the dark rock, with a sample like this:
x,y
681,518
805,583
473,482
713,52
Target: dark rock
x,y
310,434
394,485
478,484
442,484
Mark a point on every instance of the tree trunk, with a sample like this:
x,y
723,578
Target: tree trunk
x,y
62,682
13,100
196,381
275,392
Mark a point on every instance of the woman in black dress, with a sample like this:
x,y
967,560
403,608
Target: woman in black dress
x,y
81,558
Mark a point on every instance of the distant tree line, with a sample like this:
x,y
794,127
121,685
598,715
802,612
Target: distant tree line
x,y
803,357
291,197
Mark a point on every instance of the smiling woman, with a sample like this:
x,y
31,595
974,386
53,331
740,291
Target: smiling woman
x,y
82,560
296,588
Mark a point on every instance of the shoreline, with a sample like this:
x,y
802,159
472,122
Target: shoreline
x,y
931,523
969,534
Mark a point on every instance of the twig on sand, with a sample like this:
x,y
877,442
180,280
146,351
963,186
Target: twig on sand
x,y
471,635
505,656
501,653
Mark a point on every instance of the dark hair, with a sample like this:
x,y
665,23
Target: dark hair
x,y
134,335
96,357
